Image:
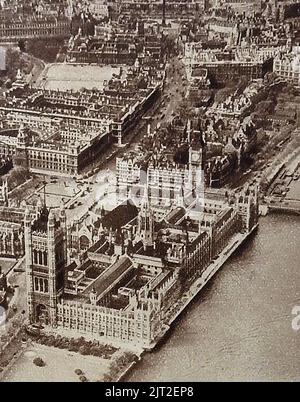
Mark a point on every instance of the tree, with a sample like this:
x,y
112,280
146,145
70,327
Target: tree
x,y
22,45
84,350
130,357
17,176
95,351
38,361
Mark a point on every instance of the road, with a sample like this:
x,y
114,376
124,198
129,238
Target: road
x,y
100,185
172,96
99,188
36,72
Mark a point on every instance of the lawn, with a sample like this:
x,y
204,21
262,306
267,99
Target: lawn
x,y
6,264
75,76
60,366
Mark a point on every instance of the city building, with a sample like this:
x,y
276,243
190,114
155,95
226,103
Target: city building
x,y
12,242
164,10
185,156
51,131
11,232
33,27
166,178
238,105
287,66
224,66
114,44
99,8
124,287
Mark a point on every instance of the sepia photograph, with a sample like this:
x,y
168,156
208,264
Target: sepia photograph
x,y
149,194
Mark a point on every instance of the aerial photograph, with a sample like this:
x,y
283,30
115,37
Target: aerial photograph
x,y
149,193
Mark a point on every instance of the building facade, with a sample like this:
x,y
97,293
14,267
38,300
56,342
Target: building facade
x,y
31,28
165,178
287,67
11,232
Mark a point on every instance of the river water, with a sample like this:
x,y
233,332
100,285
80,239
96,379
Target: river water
x,y
239,328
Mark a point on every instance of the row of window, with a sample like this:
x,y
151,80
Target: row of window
x,y
50,166
109,331
41,285
47,156
40,257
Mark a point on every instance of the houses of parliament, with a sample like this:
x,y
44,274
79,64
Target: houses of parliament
x,y
123,288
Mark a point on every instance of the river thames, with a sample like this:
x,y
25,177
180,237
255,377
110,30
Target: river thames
x,y
240,326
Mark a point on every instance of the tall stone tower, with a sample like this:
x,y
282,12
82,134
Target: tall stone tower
x,y
46,254
196,178
146,221
21,158
248,205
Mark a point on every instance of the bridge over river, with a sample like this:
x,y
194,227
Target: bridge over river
x,y
290,205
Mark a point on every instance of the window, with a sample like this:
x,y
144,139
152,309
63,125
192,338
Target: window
x,y
35,259
41,285
40,257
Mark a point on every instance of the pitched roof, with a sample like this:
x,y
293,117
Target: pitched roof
x,y
119,216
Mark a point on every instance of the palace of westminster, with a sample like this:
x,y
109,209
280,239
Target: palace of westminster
x,y
146,253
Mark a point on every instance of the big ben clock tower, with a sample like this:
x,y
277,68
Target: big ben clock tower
x,y
195,162
195,158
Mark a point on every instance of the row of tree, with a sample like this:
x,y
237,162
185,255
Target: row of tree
x,y
80,345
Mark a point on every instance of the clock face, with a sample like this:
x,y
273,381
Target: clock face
x,y
195,157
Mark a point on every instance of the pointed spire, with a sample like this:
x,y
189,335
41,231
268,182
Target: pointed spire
x,y
110,235
51,217
39,203
180,199
19,75
146,199
145,220
27,213
62,212
101,229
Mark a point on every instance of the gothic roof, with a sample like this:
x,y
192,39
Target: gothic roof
x,y
40,224
110,276
175,215
117,218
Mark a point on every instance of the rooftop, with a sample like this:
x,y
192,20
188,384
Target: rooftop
x,y
110,276
118,217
